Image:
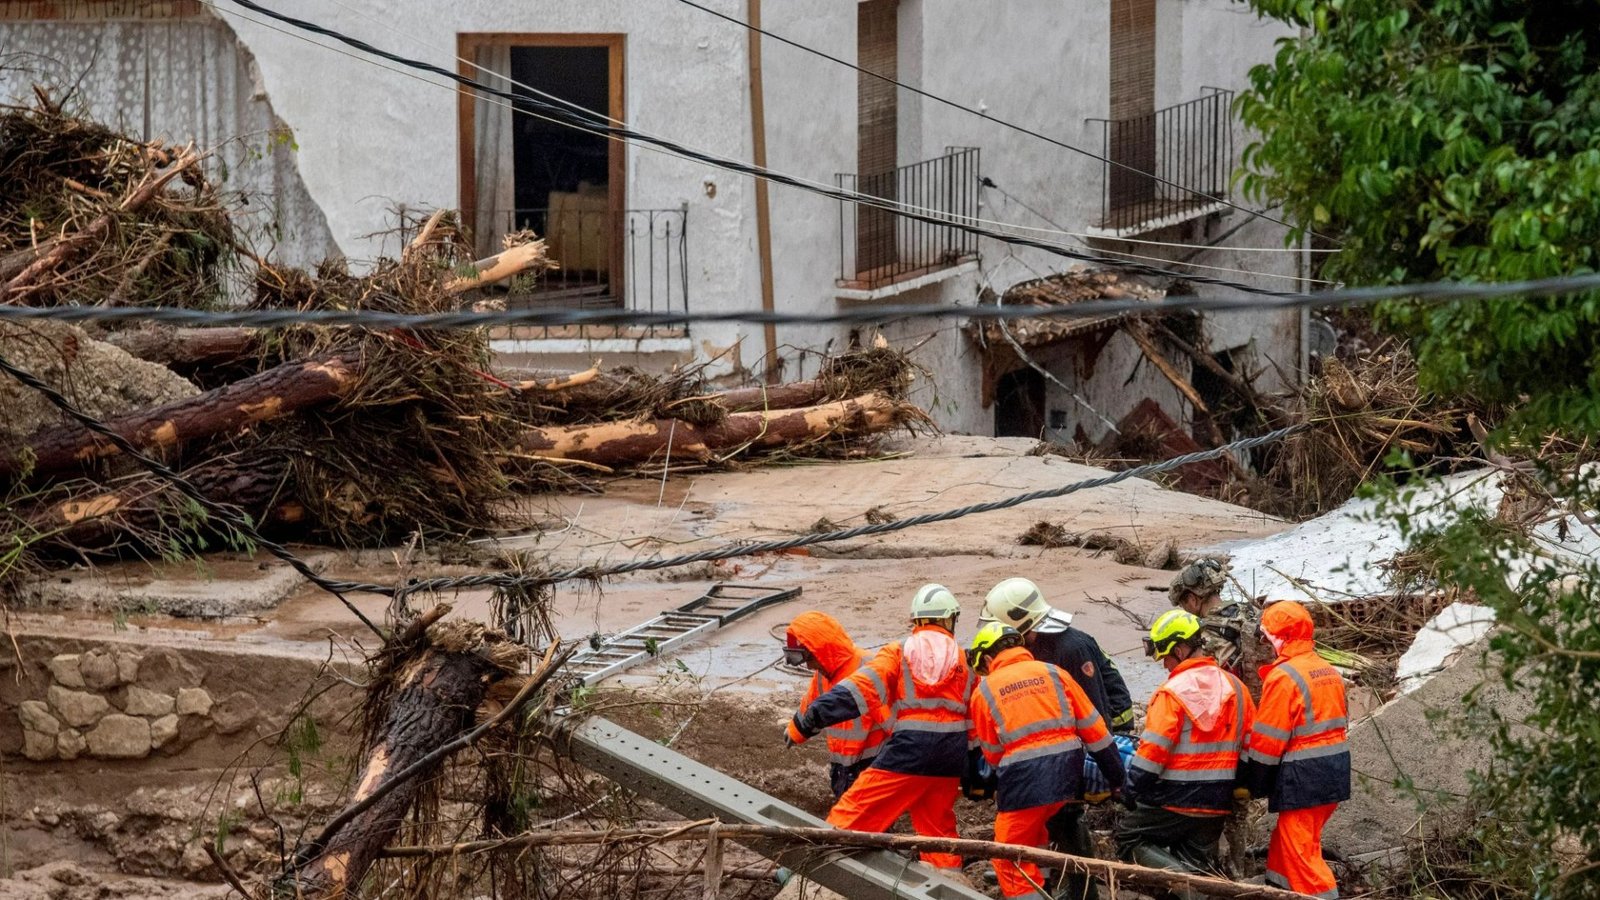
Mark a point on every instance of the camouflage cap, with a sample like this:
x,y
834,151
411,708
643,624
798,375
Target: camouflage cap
x,y
1204,577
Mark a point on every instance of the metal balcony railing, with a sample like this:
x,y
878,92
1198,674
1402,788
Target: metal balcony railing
x,y
635,260
878,247
1174,164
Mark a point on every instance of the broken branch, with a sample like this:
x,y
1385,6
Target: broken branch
x,y
1128,873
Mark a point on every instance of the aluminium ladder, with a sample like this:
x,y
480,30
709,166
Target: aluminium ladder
x,y
674,628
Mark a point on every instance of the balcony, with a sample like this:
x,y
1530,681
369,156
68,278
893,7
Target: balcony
x,y
882,254
635,260
1167,167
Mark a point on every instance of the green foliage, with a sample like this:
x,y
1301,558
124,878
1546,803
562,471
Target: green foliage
x,y
1453,140
1542,786
1460,139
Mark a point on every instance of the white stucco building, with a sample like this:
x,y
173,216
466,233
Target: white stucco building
x,y
333,141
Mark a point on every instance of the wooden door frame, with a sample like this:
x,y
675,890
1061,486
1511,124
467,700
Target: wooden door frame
x,y
467,44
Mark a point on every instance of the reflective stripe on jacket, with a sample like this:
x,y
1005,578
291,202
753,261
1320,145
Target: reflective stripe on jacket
x,y
852,740
1197,726
927,722
1033,723
1298,754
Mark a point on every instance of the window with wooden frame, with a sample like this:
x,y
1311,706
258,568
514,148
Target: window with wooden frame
x,y
520,171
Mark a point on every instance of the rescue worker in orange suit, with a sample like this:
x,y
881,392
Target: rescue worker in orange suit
x,y
817,641
1298,757
920,685
1032,723
1181,782
1051,638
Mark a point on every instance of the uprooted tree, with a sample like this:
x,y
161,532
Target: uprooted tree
x,y
1461,140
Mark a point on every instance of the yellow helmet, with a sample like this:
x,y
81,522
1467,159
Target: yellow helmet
x,y
1171,628
990,639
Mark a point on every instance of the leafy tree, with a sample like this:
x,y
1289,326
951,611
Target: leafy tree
x,y
1454,139
1460,139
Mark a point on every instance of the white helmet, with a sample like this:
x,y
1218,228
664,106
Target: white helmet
x,y
934,601
1016,602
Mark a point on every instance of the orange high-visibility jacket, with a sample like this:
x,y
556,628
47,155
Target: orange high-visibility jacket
x,y
1298,755
854,740
1196,728
927,722
1033,722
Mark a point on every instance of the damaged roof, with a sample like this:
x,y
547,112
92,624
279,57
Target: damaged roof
x,y
1063,289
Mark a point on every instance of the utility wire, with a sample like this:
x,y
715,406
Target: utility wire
x,y
227,514
585,120
731,551
983,115
1054,229
377,319
339,588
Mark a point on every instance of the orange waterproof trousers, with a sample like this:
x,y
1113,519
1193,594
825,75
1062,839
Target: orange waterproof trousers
x,y
878,798
1294,858
1025,827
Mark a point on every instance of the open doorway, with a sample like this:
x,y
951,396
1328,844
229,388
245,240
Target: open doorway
x,y
1019,404
520,171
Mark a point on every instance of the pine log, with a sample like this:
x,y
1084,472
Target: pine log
x,y
436,695
182,349
632,443
225,410
137,512
772,396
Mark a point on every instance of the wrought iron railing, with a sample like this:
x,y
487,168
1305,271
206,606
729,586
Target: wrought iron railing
x,y
1164,167
877,247
635,260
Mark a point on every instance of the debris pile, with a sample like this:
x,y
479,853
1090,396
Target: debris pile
x,y
347,435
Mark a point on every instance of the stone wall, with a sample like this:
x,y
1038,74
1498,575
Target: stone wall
x,y
119,703
137,748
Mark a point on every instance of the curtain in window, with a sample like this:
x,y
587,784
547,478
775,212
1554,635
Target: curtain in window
x,y
492,127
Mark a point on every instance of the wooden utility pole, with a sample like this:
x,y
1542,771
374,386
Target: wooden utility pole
x,y
758,137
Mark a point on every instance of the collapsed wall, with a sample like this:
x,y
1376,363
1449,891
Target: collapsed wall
x,y
178,77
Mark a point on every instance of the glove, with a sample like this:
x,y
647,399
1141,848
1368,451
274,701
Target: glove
x,y
1241,794
794,735
1129,802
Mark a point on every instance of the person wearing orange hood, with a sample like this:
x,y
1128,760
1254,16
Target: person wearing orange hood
x,y
1182,778
1298,757
817,641
921,686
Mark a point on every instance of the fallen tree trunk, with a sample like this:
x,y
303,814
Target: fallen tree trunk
x,y
1161,880
139,512
187,348
629,443
440,682
275,392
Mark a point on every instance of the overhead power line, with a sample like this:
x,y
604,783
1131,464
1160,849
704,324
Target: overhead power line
x,y
1055,229
371,318
1021,129
589,121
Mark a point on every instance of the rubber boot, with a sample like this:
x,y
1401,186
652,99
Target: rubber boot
x,y
1069,834
1153,857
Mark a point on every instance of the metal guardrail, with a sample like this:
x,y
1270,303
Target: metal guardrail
x,y
696,791
1173,163
878,248
636,260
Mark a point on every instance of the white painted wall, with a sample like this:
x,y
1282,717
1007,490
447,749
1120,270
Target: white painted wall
x,y
179,80
370,139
